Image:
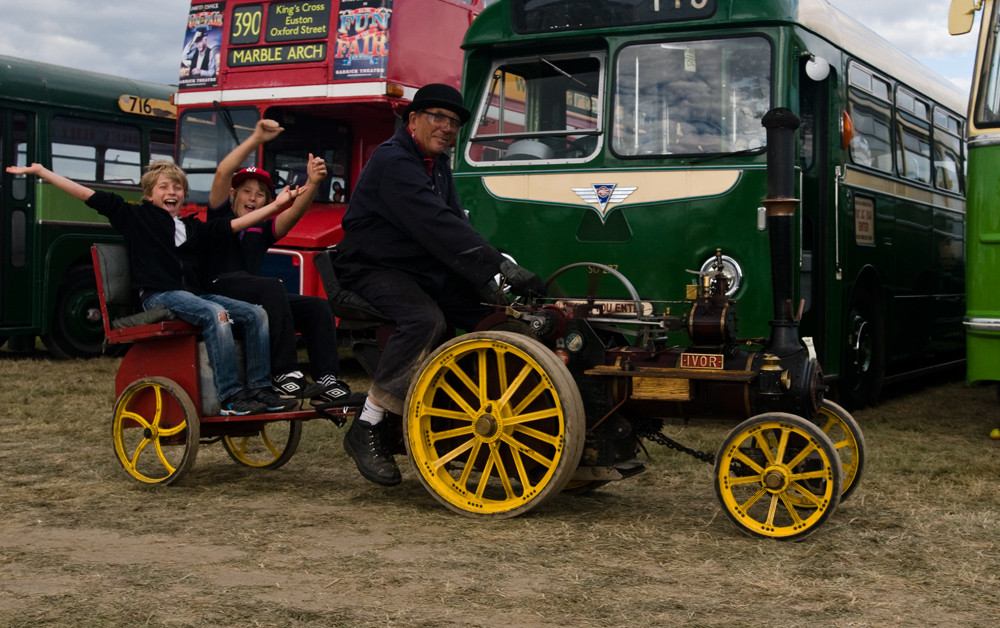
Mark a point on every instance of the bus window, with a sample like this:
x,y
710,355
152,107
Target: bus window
x,y
161,146
205,138
543,108
692,97
99,152
913,149
947,152
868,106
19,184
285,156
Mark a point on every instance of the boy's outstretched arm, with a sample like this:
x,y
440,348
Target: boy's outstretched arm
x,y
66,185
261,214
265,131
315,174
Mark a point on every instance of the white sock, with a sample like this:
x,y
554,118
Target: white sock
x,y
371,414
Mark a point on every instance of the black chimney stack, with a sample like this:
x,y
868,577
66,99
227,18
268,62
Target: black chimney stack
x,y
781,203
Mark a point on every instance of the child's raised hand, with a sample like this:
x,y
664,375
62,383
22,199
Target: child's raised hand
x,y
34,169
266,130
287,195
315,170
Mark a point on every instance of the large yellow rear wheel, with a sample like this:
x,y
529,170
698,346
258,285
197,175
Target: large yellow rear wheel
x,y
155,431
269,447
778,475
495,424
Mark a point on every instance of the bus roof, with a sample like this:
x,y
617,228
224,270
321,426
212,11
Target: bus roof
x,y
27,81
818,16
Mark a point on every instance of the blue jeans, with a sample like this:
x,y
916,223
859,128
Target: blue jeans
x,y
205,311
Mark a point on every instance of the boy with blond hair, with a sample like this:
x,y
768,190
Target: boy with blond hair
x,y
164,252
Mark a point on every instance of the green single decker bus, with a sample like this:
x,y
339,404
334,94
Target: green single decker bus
x,y
96,129
627,133
983,267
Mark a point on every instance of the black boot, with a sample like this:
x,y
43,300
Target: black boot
x,y
367,445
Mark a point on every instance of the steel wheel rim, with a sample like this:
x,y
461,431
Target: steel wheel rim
x,y
781,492
148,456
512,427
270,447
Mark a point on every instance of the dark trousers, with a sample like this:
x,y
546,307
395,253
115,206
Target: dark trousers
x,y
288,313
423,322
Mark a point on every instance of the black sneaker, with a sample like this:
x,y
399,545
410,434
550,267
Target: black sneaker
x,y
366,444
273,402
334,392
240,405
294,385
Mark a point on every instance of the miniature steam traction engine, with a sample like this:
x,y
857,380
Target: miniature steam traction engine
x,y
555,396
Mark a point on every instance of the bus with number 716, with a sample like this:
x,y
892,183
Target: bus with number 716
x,y
94,128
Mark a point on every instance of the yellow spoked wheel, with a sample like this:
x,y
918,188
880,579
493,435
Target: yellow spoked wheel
x,y
269,447
155,431
845,434
778,475
495,424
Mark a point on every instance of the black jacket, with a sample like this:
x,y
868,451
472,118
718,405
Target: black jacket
x,y
401,218
156,263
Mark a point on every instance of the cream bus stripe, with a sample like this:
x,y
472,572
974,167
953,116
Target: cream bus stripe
x,y
884,185
653,186
337,90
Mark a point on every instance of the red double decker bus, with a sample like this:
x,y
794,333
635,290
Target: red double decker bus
x,y
335,74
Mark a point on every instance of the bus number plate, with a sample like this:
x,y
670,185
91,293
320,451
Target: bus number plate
x,y
701,361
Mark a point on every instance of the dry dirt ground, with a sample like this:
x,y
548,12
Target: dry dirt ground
x,y
313,544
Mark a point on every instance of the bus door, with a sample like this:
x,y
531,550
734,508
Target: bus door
x,y
816,208
16,219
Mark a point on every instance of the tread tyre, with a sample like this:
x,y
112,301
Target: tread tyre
x,y
864,350
77,327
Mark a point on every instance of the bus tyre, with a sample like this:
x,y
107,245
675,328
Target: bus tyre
x,y
864,351
77,328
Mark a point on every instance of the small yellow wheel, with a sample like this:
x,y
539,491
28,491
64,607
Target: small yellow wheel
x,y
155,431
495,424
268,447
845,433
778,476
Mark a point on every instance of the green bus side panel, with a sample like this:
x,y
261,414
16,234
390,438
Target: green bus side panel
x,y
983,262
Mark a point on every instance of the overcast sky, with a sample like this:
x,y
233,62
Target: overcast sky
x,y
142,39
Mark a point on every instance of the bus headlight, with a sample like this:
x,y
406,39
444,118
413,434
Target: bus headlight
x,y
731,269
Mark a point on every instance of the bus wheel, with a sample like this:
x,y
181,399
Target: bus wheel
x,y
778,476
864,353
495,424
77,328
268,448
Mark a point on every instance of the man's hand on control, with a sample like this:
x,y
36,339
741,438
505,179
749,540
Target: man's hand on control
x,y
523,282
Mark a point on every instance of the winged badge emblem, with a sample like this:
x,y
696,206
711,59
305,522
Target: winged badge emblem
x,y
603,194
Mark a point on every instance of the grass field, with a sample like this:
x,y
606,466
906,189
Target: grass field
x,y
313,544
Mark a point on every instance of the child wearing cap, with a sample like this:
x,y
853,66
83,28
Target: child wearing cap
x,y
164,252
233,270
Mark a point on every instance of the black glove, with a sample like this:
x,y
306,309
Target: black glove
x,y
491,293
523,282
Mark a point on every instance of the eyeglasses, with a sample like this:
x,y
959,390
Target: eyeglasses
x,y
441,120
